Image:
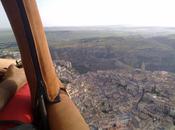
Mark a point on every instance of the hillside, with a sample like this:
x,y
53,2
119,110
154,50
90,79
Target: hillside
x,y
119,77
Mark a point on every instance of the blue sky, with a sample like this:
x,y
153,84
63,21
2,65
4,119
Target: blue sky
x,y
103,12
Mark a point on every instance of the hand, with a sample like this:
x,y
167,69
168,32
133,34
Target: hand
x,y
16,74
13,80
4,64
2,74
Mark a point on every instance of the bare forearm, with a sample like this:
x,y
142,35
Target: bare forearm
x,y
14,80
7,89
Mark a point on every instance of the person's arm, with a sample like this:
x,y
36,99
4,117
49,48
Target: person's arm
x,y
14,79
38,65
5,63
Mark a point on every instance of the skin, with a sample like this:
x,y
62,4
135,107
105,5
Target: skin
x,y
5,63
66,115
12,79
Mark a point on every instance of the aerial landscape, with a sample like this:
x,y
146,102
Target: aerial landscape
x,y
120,77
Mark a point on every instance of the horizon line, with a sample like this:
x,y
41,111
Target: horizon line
x,y
100,26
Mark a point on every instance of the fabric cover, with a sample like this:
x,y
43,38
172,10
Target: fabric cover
x,y
18,108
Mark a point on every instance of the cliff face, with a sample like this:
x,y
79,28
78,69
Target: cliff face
x,y
124,98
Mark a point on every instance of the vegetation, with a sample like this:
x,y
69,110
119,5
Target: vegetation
x,y
109,47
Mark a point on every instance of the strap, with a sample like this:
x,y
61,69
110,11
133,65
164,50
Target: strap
x,y
40,72
35,54
7,122
26,23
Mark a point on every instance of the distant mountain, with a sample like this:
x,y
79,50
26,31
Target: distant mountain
x,y
108,47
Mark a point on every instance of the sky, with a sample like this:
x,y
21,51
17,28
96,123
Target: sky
x,y
103,12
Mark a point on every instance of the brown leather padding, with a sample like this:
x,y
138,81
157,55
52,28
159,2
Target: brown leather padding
x,y
51,82
14,17
49,76
63,115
